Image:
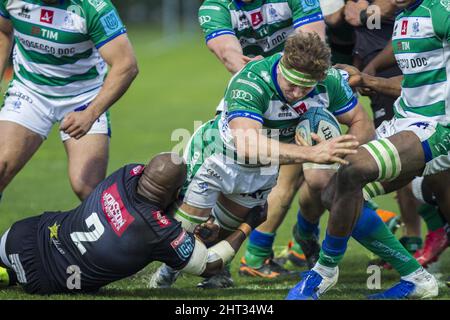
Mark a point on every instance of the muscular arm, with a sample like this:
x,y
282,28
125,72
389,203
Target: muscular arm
x,y
388,86
359,123
6,41
118,54
229,51
251,144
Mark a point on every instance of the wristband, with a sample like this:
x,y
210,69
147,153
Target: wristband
x,y
245,228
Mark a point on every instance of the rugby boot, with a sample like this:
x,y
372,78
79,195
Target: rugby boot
x,y
435,243
313,285
419,285
164,277
268,270
219,281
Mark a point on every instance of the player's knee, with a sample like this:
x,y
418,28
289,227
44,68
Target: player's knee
x,y
352,176
317,182
7,172
82,188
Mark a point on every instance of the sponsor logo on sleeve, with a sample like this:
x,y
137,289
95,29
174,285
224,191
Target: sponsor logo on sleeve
x,y
111,23
47,16
161,219
183,245
137,171
115,212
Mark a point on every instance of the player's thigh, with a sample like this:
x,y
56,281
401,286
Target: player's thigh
x,y
289,180
88,160
228,215
17,145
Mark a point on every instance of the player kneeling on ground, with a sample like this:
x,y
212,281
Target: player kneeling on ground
x,y
119,229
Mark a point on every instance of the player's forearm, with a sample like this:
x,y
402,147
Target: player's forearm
x,y
116,84
363,129
387,86
259,149
383,60
233,60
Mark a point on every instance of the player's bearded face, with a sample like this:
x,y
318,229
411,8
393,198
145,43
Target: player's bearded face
x,y
291,92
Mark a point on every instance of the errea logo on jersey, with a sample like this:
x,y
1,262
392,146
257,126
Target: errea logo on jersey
x,y
117,215
97,4
47,16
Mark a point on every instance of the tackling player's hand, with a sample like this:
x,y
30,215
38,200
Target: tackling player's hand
x,y
207,231
256,216
333,150
77,124
356,79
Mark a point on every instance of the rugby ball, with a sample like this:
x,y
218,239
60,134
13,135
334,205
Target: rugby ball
x,y
318,120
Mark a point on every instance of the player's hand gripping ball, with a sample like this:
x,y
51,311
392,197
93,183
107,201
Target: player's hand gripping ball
x,y
316,120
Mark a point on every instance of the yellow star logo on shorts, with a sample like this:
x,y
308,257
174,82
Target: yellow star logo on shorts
x,y
54,231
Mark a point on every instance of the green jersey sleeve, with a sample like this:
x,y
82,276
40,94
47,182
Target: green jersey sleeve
x,y
305,12
103,21
440,15
340,95
3,12
215,19
247,97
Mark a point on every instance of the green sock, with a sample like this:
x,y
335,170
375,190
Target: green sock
x,y
412,244
431,216
259,248
384,244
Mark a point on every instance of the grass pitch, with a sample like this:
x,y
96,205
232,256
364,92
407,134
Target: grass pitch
x,y
180,82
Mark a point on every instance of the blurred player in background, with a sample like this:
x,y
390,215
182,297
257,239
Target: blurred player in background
x,y
60,60
125,224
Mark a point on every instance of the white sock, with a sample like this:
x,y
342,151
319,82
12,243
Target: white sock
x,y
417,276
324,271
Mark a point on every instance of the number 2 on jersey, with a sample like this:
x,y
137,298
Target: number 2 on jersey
x,y
91,236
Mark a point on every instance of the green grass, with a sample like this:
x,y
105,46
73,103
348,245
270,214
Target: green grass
x,y
179,82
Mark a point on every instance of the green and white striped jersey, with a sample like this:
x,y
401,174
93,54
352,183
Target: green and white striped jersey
x,y
254,93
421,46
261,26
56,46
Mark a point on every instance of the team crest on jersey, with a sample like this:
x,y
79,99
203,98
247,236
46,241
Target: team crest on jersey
x,y
47,16
111,23
273,13
446,4
415,27
309,5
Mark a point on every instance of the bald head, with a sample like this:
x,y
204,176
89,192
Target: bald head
x,y
162,178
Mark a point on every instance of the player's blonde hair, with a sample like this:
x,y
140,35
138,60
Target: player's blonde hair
x,y
307,53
